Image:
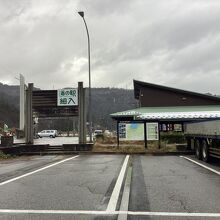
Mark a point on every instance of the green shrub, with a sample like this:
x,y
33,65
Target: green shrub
x,y
172,137
99,137
4,156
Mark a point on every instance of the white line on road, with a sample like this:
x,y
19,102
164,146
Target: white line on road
x,y
202,165
91,212
115,194
36,171
33,211
125,195
179,214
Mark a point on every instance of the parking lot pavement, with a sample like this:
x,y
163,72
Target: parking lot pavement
x,y
82,183
91,187
172,185
17,166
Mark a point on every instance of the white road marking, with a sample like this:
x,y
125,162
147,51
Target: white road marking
x,y
179,214
36,171
126,195
91,212
202,165
115,194
33,211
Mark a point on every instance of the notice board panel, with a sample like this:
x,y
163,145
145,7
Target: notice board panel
x,y
152,131
131,131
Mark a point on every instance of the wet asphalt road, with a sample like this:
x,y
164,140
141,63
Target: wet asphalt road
x,y
167,184
172,184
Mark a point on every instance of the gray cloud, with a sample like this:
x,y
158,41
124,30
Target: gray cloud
x,y
102,8
174,43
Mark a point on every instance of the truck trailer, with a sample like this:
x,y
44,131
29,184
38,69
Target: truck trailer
x,y
204,138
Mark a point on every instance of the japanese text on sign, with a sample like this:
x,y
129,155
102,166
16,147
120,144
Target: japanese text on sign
x,y
152,131
67,97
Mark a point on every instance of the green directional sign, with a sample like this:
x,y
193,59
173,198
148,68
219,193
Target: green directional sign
x,y
67,97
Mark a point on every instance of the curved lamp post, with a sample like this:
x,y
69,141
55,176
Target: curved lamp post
x,y
81,13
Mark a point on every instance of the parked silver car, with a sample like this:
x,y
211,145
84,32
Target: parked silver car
x,y
47,133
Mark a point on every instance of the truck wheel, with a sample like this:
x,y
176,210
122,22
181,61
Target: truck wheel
x,y
205,151
198,150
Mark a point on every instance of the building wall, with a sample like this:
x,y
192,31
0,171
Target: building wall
x,y
154,97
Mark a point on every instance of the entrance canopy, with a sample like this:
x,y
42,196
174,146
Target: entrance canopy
x,y
171,113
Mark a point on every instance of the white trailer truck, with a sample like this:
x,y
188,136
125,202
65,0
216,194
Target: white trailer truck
x,y
204,138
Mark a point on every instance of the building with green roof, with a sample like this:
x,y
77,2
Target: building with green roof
x,y
162,109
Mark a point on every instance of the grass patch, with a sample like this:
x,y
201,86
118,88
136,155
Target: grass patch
x,y
152,147
103,139
120,149
170,142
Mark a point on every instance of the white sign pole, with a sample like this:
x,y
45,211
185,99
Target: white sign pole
x,y
22,104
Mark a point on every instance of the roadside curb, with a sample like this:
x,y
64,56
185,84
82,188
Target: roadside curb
x,y
78,149
144,153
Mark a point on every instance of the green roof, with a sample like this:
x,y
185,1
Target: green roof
x,y
151,112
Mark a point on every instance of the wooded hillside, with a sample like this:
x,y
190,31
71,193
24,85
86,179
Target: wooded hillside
x,y
104,102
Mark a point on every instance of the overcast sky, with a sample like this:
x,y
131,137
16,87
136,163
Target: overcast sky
x,y
174,43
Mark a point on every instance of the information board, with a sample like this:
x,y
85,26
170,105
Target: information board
x,y
152,131
67,97
131,131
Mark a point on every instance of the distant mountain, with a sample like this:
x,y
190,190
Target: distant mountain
x,y
104,102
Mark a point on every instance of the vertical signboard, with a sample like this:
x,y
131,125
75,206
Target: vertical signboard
x,y
122,131
152,132
67,97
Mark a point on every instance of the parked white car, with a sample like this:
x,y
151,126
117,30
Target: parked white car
x,y
47,133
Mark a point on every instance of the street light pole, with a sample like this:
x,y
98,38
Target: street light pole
x,y
81,13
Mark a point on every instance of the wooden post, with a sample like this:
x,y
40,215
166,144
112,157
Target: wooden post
x,y
182,124
82,114
29,139
159,135
145,135
117,133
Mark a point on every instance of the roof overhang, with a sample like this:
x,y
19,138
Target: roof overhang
x,y
179,113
